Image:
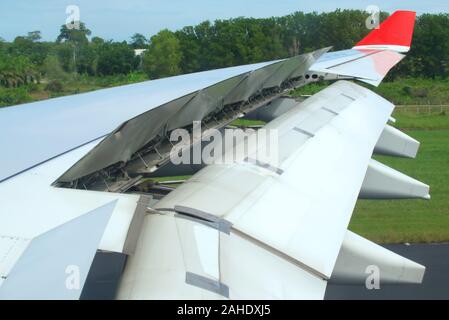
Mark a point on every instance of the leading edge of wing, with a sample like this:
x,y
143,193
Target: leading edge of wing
x,y
46,129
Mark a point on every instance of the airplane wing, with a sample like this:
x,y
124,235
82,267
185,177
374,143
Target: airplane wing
x,y
266,230
41,192
250,229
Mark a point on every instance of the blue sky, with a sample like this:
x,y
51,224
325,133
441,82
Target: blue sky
x,y
118,20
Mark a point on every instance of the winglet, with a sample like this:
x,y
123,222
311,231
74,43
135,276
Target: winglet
x,y
394,34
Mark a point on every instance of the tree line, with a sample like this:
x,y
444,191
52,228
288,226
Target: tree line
x,y
211,45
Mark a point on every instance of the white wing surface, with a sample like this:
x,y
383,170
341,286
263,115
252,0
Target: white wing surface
x,y
55,264
233,227
253,228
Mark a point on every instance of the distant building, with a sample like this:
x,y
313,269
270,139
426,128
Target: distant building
x,y
139,52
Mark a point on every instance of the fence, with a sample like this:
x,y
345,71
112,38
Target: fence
x,y
423,108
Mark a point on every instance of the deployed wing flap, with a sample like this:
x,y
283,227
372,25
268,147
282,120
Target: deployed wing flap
x,y
251,269
55,264
58,125
223,262
150,128
329,164
193,259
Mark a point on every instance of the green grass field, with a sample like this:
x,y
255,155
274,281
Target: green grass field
x,y
415,221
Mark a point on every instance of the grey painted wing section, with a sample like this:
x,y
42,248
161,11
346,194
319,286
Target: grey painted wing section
x,y
134,134
48,268
36,132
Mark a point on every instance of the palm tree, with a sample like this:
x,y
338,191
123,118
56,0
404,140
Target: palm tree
x,y
17,71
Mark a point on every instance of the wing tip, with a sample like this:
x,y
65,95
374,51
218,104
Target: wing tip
x,y
395,33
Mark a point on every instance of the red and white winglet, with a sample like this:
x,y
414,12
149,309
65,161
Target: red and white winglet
x,y
394,34
373,57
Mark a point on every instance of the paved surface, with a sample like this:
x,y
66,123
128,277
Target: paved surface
x,y
435,285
